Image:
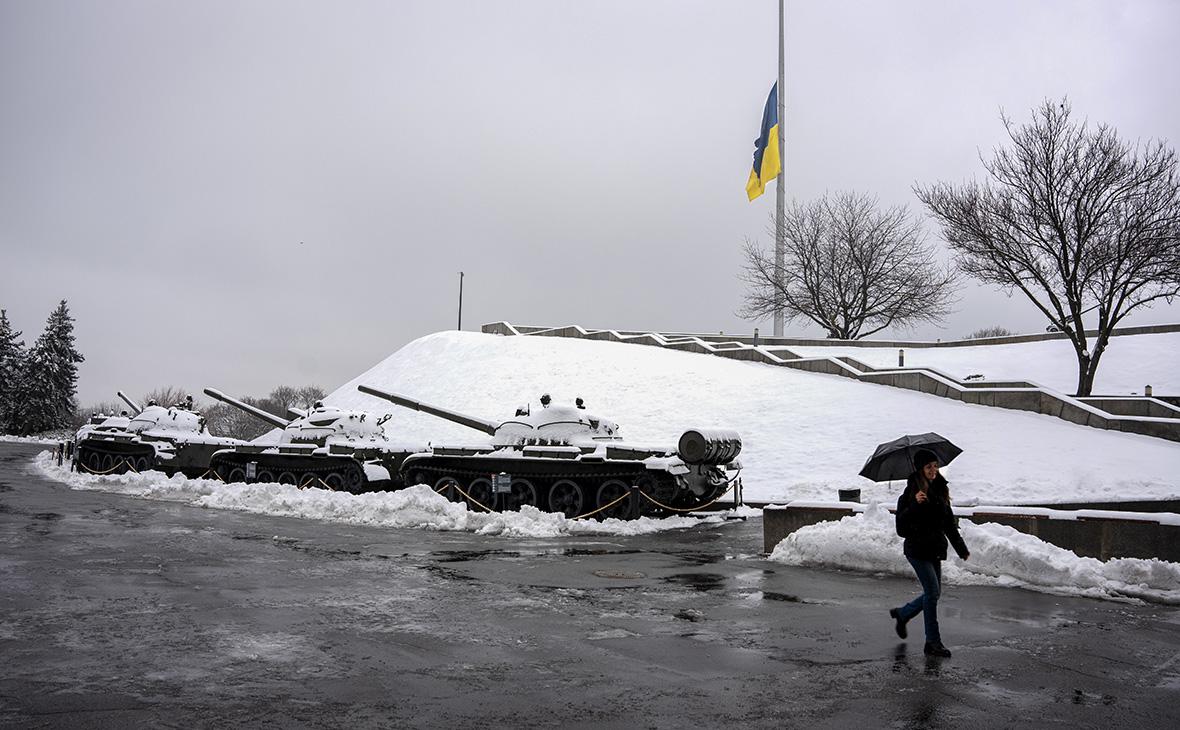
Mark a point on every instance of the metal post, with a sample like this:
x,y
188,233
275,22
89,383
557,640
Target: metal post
x,y
634,502
780,193
901,358
755,337
460,301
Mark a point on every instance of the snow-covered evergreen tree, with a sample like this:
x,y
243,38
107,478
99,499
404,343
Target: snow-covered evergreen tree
x,y
45,393
12,355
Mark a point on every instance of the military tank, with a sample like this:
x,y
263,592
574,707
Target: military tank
x,y
171,439
561,458
324,446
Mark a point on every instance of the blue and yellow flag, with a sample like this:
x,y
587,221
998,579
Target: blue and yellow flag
x,y
767,161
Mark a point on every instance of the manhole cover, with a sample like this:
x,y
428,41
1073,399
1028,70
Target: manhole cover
x,y
618,574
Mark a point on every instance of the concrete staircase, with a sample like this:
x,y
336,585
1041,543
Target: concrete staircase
x,y
1142,415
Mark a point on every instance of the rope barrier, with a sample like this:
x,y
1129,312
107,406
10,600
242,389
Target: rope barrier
x,y
92,470
691,509
472,499
605,506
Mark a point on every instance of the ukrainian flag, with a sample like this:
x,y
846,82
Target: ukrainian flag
x,y
767,161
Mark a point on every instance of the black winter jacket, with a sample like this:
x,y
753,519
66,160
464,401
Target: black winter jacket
x,y
926,527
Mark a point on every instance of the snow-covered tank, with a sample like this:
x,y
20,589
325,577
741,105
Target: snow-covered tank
x,y
561,458
169,439
325,446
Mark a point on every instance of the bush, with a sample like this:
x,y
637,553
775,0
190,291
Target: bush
x,y
990,332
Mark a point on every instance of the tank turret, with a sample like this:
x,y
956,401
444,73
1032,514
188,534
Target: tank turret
x,y
564,459
321,446
171,440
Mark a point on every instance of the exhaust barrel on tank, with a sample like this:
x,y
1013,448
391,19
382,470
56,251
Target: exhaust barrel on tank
x,y
258,413
135,409
711,446
479,424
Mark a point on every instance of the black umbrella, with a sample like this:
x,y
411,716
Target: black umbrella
x,y
895,460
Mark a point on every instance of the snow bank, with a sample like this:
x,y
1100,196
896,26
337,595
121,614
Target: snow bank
x,y
1129,363
415,507
6,438
804,435
1000,555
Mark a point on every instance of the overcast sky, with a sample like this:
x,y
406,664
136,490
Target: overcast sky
x,y
248,194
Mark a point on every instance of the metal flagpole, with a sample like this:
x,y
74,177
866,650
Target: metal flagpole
x,y
780,194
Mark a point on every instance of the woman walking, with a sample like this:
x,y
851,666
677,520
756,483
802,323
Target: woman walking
x,y
925,520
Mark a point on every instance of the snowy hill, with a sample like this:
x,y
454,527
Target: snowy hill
x,y
805,434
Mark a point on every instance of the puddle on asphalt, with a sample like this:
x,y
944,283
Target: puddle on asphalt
x,y
698,581
577,552
459,556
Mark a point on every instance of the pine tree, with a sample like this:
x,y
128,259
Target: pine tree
x,y
12,355
46,392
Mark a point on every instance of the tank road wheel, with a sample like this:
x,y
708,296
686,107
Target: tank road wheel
x,y
287,478
566,497
142,464
236,475
446,486
107,464
354,479
481,492
523,492
610,491
265,475
93,461
307,481
335,481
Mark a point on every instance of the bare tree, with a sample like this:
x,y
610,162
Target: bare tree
x,y
167,396
851,268
1079,221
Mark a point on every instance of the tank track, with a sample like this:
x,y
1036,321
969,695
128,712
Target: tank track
x,y
114,457
338,473
576,494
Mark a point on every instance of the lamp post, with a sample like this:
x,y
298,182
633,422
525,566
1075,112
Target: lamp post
x,y
460,301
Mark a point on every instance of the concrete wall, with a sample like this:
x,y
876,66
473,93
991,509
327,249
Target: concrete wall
x,y
1093,537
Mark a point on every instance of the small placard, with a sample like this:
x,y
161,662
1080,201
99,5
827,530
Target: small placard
x,y
251,469
502,483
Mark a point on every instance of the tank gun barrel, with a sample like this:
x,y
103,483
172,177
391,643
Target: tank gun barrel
x,y
132,404
258,413
479,424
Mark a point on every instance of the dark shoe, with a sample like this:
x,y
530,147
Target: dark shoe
x,y
899,627
937,649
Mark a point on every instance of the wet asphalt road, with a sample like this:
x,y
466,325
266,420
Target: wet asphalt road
x,y
118,612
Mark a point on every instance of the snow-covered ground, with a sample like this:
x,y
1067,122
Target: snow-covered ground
x,y
1000,555
415,507
6,438
805,435
1129,363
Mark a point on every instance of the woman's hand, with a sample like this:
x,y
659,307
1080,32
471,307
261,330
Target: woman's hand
x,y
920,496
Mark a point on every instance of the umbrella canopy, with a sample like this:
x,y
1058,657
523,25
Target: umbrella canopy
x,y
895,459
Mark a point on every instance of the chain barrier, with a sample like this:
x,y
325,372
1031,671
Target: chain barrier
x,y
472,499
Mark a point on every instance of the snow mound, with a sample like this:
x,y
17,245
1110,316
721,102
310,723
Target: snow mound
x,y
804,435
416,507
1000,555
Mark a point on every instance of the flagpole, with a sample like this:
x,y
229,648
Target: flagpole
x,y
780,203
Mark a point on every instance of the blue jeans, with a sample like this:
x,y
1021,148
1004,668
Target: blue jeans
x,y
930,576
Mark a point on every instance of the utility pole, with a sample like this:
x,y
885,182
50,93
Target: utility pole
x,y
780,193
460,300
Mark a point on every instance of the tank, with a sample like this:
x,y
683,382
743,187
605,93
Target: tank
x,y
171,439
561,458
328,447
